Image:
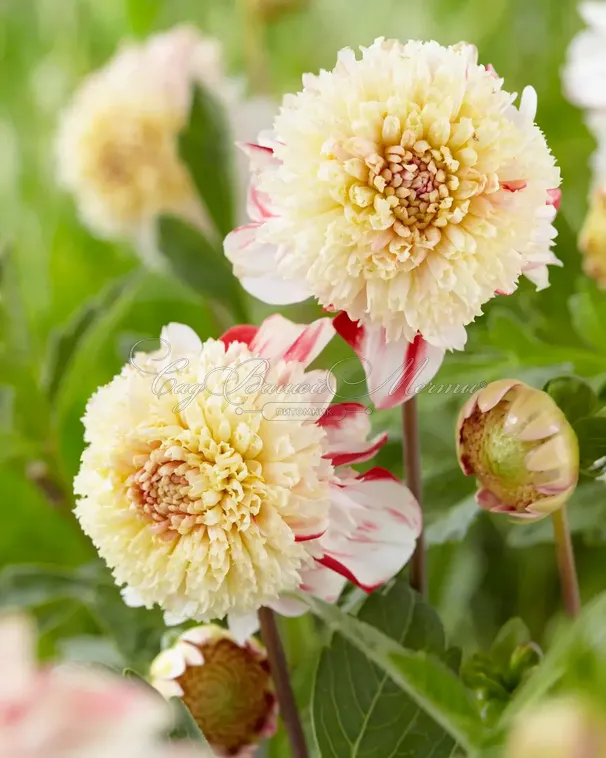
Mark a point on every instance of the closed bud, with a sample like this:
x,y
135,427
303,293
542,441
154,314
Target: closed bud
x,y
560,728
593,239
521,448
226,687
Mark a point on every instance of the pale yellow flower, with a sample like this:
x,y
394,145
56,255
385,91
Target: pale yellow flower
x,y
209,483
404,188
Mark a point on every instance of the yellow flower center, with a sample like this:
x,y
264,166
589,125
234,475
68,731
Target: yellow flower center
x,y
180,490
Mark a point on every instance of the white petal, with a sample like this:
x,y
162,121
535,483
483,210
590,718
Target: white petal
x,y
182,340
274,290
243,627
131,597
169,664
323,583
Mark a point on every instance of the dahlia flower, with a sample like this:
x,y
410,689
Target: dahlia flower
x,y
225,685
405,189
585,69
519,445
210,483
69,712
117,146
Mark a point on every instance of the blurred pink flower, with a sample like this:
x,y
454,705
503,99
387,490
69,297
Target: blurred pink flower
x,y
69,712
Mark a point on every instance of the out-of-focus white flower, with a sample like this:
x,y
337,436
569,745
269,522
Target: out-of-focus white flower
x,y
70,712
209,482
585,70
403,188
225,684
564,727
117,147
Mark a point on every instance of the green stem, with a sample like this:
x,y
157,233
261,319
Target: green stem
x,y
566,563
412,469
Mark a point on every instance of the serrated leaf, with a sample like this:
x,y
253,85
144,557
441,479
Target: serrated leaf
x,y
573,396
200,265
206,148
409,687
591,433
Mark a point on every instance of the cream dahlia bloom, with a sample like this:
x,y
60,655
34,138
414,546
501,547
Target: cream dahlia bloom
x,y
209,483
117,146
403,188
225,684
69,712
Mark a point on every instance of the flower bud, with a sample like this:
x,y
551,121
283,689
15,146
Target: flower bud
x,y
593,239
521,448
226,687
560,728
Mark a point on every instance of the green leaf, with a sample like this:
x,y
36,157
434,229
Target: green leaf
x,y
573,396
136,632
453,525
513,633
591,433
65,342
588,313
200,265
433,704
142,14
186,728
206,148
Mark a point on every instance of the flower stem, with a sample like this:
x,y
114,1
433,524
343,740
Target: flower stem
x,y
412,469
255,50
279,672
566,564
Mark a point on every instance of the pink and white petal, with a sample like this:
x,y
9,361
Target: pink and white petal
x,y
242,627
17,646
321,582
395,371
387,521
249,256
261,156
347,427
258,203
281,339
244,333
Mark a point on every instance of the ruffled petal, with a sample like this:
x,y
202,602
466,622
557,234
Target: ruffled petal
x,y
395,371
243,627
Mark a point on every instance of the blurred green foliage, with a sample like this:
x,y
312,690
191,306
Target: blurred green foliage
x,y
72,306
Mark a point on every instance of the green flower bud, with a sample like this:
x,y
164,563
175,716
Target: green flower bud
x,y
226,687
521,448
